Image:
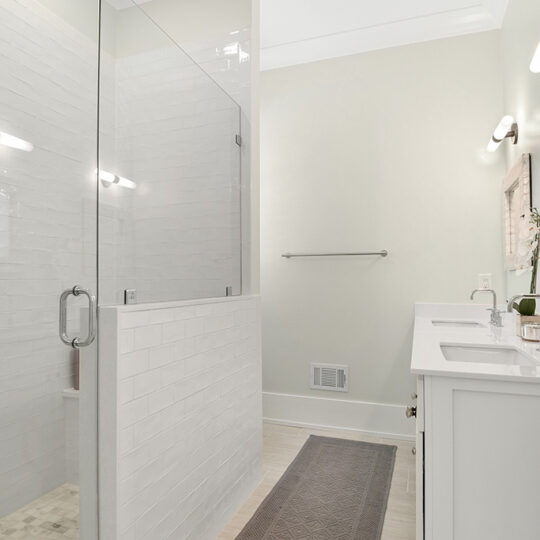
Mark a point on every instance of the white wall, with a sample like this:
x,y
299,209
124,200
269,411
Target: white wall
x,y
180,404
381,150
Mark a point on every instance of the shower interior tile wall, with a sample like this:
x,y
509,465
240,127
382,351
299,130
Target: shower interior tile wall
x,y
185,385
42,223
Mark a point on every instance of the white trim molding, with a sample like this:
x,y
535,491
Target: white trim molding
x,y
382,419
319,30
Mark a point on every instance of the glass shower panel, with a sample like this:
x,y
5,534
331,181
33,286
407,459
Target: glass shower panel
x,y
170,168
48,148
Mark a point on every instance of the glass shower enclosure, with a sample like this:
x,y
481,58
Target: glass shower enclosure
x,y
119,181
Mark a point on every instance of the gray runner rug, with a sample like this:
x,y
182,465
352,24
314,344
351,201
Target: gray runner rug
x,y
335,489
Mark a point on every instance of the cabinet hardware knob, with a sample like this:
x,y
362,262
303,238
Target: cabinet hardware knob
x,y
413,450
414,395
410,411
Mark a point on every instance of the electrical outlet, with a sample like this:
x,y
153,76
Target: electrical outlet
x,y
130,296
484,281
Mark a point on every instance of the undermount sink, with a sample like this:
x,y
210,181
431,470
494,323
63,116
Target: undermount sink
x,y
458,324
482,354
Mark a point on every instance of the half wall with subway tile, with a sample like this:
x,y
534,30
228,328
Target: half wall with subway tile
x,y
180,416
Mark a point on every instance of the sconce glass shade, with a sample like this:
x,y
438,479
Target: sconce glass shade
x,y
108,179
500,133
125,182
492,146
505,125
535,62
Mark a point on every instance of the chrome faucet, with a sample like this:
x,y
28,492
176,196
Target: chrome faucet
x,y
519,297
495,319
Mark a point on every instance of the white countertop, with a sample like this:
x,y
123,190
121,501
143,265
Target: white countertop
x,y
428,359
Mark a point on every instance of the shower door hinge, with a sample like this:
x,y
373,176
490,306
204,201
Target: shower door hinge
x,y
238,139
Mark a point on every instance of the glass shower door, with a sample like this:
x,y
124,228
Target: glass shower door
x,y
48,245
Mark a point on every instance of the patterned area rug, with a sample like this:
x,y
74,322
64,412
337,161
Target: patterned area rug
x,y
335,489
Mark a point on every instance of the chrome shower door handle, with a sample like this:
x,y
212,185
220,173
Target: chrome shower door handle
x,y
76,342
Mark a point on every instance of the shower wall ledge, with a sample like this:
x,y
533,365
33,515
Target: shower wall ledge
x,y
179,303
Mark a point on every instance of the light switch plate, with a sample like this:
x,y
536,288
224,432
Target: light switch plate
x,y
485,281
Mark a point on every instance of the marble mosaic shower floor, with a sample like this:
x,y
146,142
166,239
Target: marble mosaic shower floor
x,y
53,516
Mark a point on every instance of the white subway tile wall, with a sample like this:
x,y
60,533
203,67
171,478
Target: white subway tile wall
x,y
48,96
189,418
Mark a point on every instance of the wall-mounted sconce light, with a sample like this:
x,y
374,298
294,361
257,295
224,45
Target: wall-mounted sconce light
x,y
14,142
234,49
535,62
507,129
108,179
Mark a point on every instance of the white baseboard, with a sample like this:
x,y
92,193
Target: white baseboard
x,y
305,411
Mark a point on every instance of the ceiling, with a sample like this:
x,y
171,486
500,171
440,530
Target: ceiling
x,y
300,31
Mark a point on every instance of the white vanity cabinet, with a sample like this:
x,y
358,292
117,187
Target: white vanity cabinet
x,y
478,459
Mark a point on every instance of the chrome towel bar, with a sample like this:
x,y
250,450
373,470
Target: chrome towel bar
x,y
382,253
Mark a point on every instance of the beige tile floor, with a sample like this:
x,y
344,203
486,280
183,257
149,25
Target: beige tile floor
x,y
54,516
282,443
